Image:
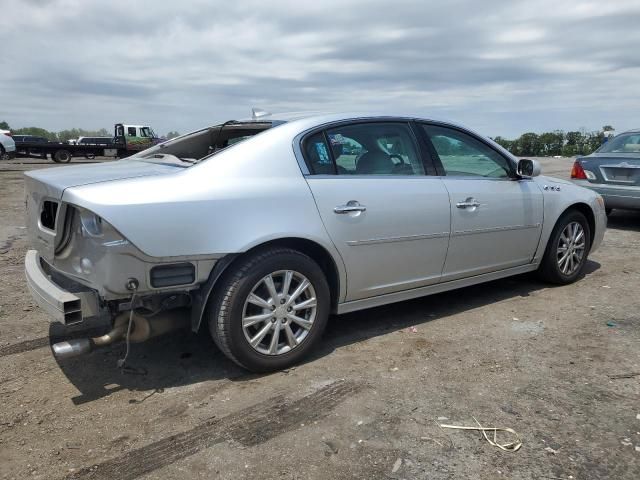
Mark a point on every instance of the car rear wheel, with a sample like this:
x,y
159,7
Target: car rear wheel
x,y
62,156
270,310
567,249
3,154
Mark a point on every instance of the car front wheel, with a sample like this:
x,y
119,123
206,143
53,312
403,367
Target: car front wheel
x,y
567,249
270,310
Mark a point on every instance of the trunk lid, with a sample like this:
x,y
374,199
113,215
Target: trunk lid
x,y
613,169
47,215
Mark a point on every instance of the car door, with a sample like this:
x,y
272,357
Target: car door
x,y
388,220
496,218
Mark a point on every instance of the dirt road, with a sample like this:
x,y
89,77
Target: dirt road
x,y
513,353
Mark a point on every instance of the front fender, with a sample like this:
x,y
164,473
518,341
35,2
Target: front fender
x,y
561,195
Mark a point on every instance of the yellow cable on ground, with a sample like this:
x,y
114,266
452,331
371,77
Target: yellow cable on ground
x,y
507,447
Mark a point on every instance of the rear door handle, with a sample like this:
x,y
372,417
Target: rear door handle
x,y
351,206
468,203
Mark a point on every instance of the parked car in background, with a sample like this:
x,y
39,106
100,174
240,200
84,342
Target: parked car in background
x,y
27,146
260,239
613,171
7,146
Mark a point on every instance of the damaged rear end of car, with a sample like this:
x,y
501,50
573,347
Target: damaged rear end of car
x,y
82,267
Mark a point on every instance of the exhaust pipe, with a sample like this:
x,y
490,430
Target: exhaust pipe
x,y
142,329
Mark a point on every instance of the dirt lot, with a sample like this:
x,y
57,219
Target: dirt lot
x,y
513,353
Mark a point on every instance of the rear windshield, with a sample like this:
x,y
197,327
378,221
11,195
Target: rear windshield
x,y
202,144
625,143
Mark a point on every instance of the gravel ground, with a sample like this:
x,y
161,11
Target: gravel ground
x,y
556,364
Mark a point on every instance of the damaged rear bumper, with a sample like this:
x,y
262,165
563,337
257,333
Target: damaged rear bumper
x,y
62,305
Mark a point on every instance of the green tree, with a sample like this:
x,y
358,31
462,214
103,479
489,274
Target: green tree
x,y
37,131
551,143
528,145
4,126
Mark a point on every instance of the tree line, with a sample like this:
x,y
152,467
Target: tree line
x,y
64,135
547,144
557,142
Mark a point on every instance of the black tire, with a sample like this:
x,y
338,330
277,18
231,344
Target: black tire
x,y
226,307
4,155
549,270
62,156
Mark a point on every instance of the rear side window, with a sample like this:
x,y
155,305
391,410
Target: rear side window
x,y
364,149
317,154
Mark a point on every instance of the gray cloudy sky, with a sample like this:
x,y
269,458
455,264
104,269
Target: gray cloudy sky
x,y
501,67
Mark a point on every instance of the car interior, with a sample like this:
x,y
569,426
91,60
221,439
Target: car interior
x,y
204,143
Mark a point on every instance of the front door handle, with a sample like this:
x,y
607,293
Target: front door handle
x,y
351,206
468,203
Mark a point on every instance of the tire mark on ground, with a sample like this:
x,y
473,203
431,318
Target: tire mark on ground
x,y
249,427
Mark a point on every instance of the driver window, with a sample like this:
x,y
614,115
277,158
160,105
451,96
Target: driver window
x,y
374,149
463,155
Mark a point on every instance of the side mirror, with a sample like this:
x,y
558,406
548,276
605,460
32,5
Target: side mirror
x,y
528,168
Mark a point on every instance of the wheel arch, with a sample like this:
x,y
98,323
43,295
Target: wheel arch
x,y
588,213
314,250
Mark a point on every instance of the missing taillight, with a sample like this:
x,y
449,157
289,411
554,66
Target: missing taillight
x,y
48,214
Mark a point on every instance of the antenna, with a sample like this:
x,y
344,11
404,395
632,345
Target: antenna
x,y
259,113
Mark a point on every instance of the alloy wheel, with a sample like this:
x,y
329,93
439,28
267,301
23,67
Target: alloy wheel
x,y
279,312
571,248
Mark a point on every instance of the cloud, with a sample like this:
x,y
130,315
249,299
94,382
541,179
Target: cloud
x,y
501,67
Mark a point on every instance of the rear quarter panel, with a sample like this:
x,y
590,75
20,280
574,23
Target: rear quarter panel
x,y
249,194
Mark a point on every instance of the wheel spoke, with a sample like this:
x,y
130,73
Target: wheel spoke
x,y
253,319
291,338
308,303
306,324
579,236
268,281
255,341
563,259
301,288
256,300
287,282
275,339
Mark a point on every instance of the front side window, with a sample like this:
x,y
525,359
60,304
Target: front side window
x,y
145,132
364,149
463,155
131,131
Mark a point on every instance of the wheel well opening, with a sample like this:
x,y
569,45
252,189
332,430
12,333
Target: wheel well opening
x,y
319,255
588,213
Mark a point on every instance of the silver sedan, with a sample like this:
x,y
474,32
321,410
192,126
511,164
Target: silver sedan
x,y
259,229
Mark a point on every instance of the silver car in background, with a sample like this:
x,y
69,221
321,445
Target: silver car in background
x,y
7,146
259,229
613,171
